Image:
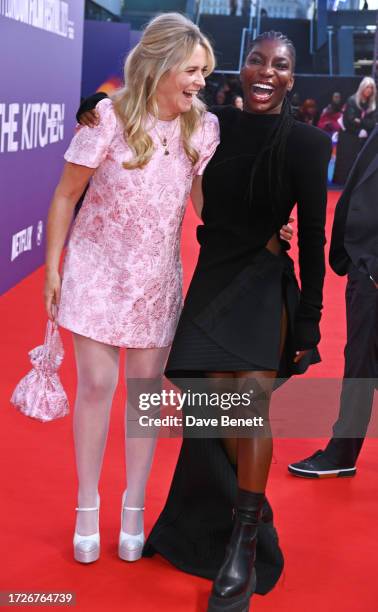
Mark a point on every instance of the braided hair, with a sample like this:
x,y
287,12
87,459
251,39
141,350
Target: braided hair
x,y
274,150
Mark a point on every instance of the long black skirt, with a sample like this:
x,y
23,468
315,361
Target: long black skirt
x,y
195,525
240,329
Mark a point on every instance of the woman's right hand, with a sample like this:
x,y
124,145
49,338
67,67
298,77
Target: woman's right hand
x,y
286,231
52,293
89,118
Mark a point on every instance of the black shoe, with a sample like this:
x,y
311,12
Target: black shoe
x,y
320,466
236,580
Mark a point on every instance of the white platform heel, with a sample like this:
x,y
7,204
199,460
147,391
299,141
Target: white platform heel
x,y
130,546
87,548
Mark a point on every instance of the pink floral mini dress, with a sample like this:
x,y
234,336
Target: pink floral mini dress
x,y
122,275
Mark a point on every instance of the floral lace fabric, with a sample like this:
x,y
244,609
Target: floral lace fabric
x,y
122,277
40,394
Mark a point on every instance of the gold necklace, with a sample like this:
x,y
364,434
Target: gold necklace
x,y
164,140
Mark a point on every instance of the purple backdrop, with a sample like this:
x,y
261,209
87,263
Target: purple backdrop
x,y
40,59
104,70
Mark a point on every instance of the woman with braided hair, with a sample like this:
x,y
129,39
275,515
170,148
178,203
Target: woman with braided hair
x,y
244,320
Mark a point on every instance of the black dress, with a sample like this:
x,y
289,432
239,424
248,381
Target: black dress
x,y
231,321
232,313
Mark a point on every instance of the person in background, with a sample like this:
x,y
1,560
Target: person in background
x,y
330,117
308,112
220,96
237,102
295,103
222,93
234,85
354,251
359,119
360,109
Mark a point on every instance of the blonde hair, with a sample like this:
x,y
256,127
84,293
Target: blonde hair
x,y
167,42
366,81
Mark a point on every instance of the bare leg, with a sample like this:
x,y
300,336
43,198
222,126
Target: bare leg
x,y
97,371
141,364
231,448
255,453
253,456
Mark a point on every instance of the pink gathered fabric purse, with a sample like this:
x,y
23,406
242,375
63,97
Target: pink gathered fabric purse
x,y
40,394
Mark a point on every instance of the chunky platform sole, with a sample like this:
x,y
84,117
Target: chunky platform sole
x,y
233,604
87,557
127,554
336,473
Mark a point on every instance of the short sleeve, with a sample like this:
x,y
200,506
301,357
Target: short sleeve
x,y
89,146
208,142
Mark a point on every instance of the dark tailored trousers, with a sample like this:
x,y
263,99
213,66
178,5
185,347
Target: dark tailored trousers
x,y
360,372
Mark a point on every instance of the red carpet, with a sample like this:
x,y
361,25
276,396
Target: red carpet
x,y
328,529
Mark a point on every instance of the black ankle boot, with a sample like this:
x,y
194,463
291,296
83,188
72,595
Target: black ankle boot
x,y
267,512
236,579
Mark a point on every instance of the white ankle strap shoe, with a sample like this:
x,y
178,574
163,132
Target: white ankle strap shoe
x,y
87,548
130,546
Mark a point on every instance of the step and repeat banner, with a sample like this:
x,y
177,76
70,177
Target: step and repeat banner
x,y
104,71
41,45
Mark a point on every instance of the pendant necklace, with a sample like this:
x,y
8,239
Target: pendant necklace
x,y
165,142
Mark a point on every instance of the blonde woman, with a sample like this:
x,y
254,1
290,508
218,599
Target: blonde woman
x,y
359,120
122,280
359,113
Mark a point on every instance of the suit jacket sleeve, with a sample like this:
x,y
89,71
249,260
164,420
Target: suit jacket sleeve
x,y
339,258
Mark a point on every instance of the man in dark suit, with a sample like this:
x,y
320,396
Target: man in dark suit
x,y
354,251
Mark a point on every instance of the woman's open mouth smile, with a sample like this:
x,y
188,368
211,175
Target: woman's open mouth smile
x,y
262,92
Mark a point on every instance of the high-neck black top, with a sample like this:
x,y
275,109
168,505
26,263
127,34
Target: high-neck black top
x,y
235,228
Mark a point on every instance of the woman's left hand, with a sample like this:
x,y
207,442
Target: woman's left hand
x,y
299,355
286,231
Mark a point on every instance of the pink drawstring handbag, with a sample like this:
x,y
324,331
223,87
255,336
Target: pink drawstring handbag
x,y
40,394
